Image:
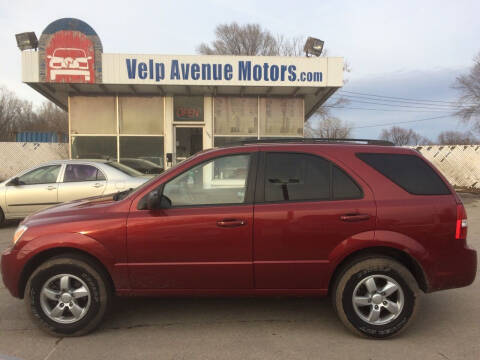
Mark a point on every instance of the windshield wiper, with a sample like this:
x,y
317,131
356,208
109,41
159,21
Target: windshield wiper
x,y
122,194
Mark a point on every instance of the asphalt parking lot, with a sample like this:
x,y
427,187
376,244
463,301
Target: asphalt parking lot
x,y
447,327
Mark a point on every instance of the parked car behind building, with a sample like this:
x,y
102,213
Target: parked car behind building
x,y
60,181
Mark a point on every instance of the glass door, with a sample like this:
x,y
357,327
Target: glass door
x,y
188,141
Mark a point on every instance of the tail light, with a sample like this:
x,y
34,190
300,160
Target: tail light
x,y
462,225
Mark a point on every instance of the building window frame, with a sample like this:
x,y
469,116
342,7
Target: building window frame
x,y
117,134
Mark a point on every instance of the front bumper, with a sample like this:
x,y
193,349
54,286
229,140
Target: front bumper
x,y
457,269
12,265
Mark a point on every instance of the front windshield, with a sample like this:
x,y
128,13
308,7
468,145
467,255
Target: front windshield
x,y
124,168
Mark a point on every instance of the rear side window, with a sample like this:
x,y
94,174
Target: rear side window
x,y
297,176
75,173
344,187
293,177
409,172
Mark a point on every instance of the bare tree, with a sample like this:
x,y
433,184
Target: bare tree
x,y
235,39
469,101
401,136
457,138
329,127
52,118
15,114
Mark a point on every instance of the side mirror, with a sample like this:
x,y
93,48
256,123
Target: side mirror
x,y
156,201
153,200
165,202
14,182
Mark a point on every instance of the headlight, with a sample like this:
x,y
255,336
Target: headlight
x,y
18,233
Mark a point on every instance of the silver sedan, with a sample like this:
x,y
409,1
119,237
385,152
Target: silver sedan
x,y
61,181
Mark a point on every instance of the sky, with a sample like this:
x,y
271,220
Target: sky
x,y
410,48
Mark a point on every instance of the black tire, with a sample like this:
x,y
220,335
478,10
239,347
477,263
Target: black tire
x,y
354,277
78,267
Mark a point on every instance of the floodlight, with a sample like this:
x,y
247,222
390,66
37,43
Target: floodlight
x,y
27,40
313,46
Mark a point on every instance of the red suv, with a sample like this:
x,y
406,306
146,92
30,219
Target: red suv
x,y
371,226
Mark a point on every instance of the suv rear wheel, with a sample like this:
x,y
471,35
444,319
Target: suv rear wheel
x,y
67,295
376,297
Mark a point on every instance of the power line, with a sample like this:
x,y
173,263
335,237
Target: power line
x,y
382,103
396,97
401,122
394,102
394,110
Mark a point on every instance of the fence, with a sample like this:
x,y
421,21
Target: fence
x,y
15,157
460,164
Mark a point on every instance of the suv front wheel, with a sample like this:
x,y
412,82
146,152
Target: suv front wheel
x,y
376,297
67,295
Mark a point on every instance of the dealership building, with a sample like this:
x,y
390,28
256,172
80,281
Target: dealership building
x,y
163,108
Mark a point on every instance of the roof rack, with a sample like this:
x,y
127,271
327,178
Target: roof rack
x,y
317,140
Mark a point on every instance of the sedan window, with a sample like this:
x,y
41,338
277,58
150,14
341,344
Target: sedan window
x,y
77,172
42,175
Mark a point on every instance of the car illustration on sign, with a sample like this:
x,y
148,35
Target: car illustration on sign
x,y
69,61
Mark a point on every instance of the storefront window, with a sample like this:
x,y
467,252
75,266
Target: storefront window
x,y
141,115
149,148
92,115
236,116
281,117
94,147
188,108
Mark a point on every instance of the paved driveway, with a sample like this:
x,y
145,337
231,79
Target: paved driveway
x,y
447,327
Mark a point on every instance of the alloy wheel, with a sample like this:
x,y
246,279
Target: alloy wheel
x,y
378,299
65,298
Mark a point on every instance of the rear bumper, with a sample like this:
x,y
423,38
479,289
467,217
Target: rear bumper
x,y
11,270
458,269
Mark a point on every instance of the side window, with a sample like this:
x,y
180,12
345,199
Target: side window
x,y
100,176
294,177
219,181
410,172
343,186
77,172
43,175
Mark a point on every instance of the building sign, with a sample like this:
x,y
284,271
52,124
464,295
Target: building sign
x,y
222,70
70,58
70,51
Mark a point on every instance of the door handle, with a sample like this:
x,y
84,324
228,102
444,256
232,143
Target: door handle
x,y
231,222
97,185
354,217
51,187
